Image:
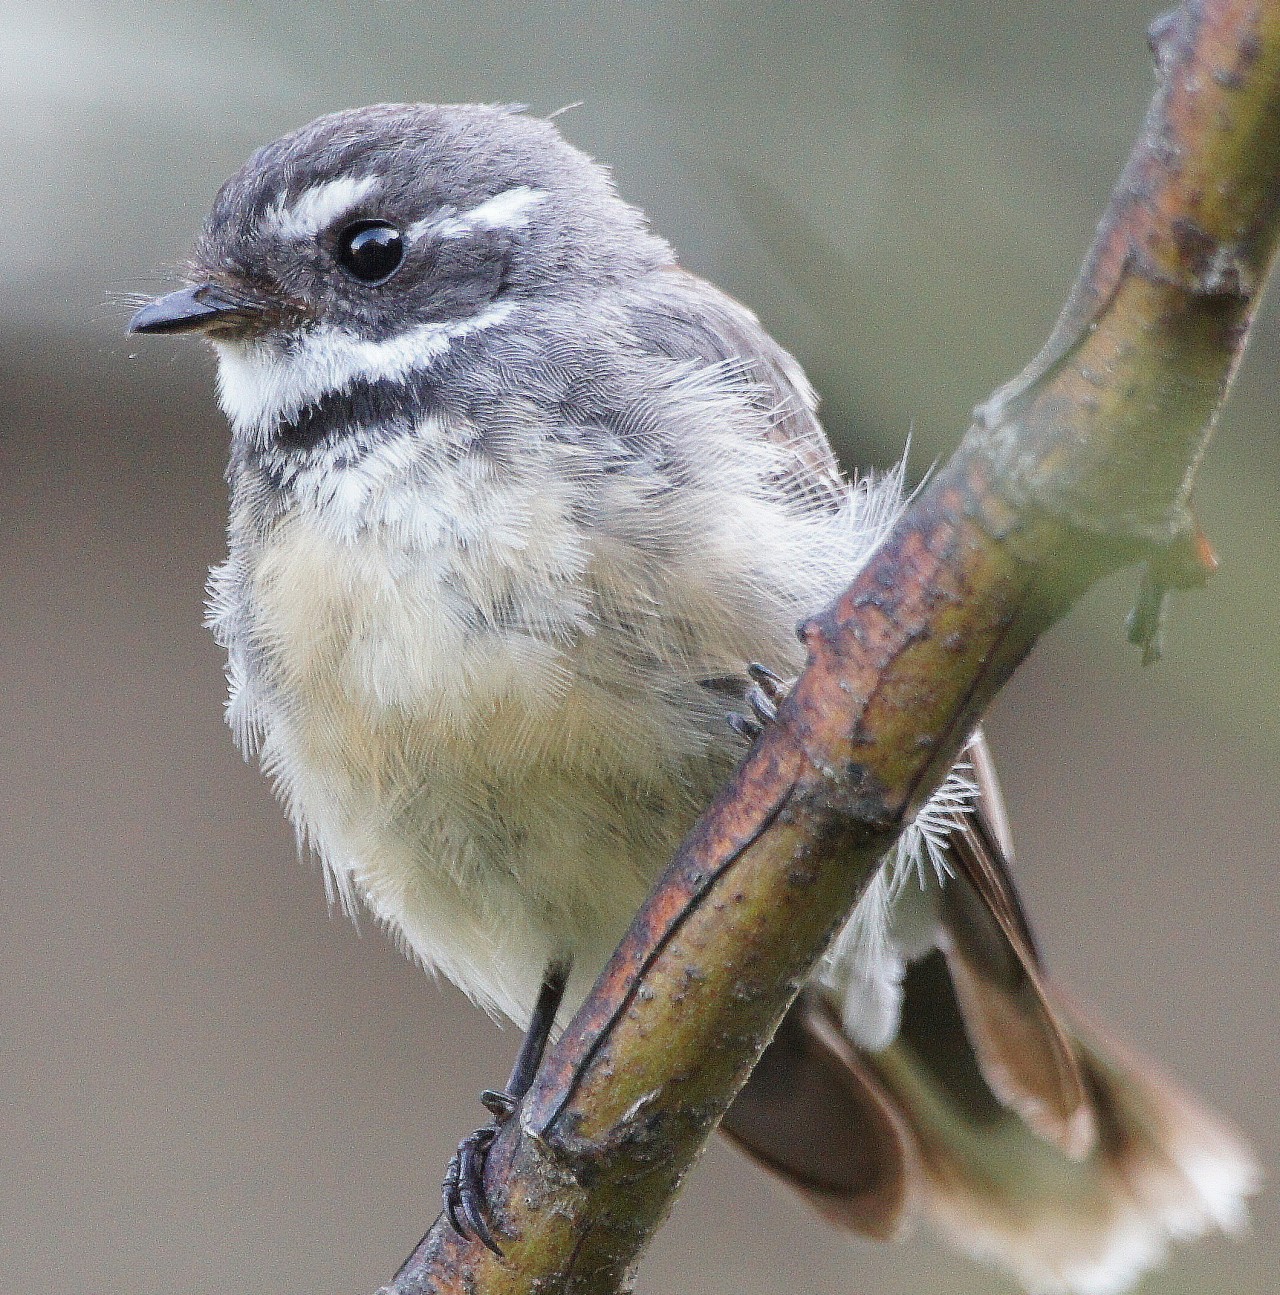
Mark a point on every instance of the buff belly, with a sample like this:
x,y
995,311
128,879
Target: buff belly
x,y
490,795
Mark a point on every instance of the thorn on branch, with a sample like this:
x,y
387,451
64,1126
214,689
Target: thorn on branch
x,y
1187,563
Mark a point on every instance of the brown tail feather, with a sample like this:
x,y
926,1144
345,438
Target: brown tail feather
x,y
1016,1035
812,1114
998,1111
1160,1166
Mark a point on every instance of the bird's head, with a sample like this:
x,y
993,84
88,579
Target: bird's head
x,y
366,244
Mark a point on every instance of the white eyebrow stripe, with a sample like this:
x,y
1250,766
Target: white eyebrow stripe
x,y
507,210
317,207
257,385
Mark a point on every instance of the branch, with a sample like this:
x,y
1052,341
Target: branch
x,y
1083,464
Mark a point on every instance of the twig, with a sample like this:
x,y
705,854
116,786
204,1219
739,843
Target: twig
x,y
1083,464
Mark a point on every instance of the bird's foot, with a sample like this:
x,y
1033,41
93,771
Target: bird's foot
x,y
764,696
465,1204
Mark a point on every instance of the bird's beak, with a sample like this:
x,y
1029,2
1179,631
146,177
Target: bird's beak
x,y
188,310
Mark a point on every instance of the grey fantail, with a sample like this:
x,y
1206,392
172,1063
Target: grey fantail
x,y
523,516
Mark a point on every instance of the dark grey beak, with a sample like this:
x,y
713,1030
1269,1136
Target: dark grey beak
x,y
186,311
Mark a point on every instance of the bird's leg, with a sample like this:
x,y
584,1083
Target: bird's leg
x,y
465,1204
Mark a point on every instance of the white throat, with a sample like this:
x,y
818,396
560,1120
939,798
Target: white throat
x,y
259,384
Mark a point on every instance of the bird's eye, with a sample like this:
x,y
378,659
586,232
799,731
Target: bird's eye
x,y
370,250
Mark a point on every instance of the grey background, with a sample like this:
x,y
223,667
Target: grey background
x,y
211,1085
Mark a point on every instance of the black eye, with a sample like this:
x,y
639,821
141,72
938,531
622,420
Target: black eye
x,y
370,250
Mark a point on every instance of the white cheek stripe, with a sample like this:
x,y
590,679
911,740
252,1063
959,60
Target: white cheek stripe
x,y
257,384
316,208
507,210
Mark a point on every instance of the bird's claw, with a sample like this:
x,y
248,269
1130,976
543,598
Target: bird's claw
x,y
466,1205
744,727
766,692
502,1106
773,686
762,706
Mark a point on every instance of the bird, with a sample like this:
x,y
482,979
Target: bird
x,y
523,515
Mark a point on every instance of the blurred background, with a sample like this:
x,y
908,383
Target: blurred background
x,y
210,1084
